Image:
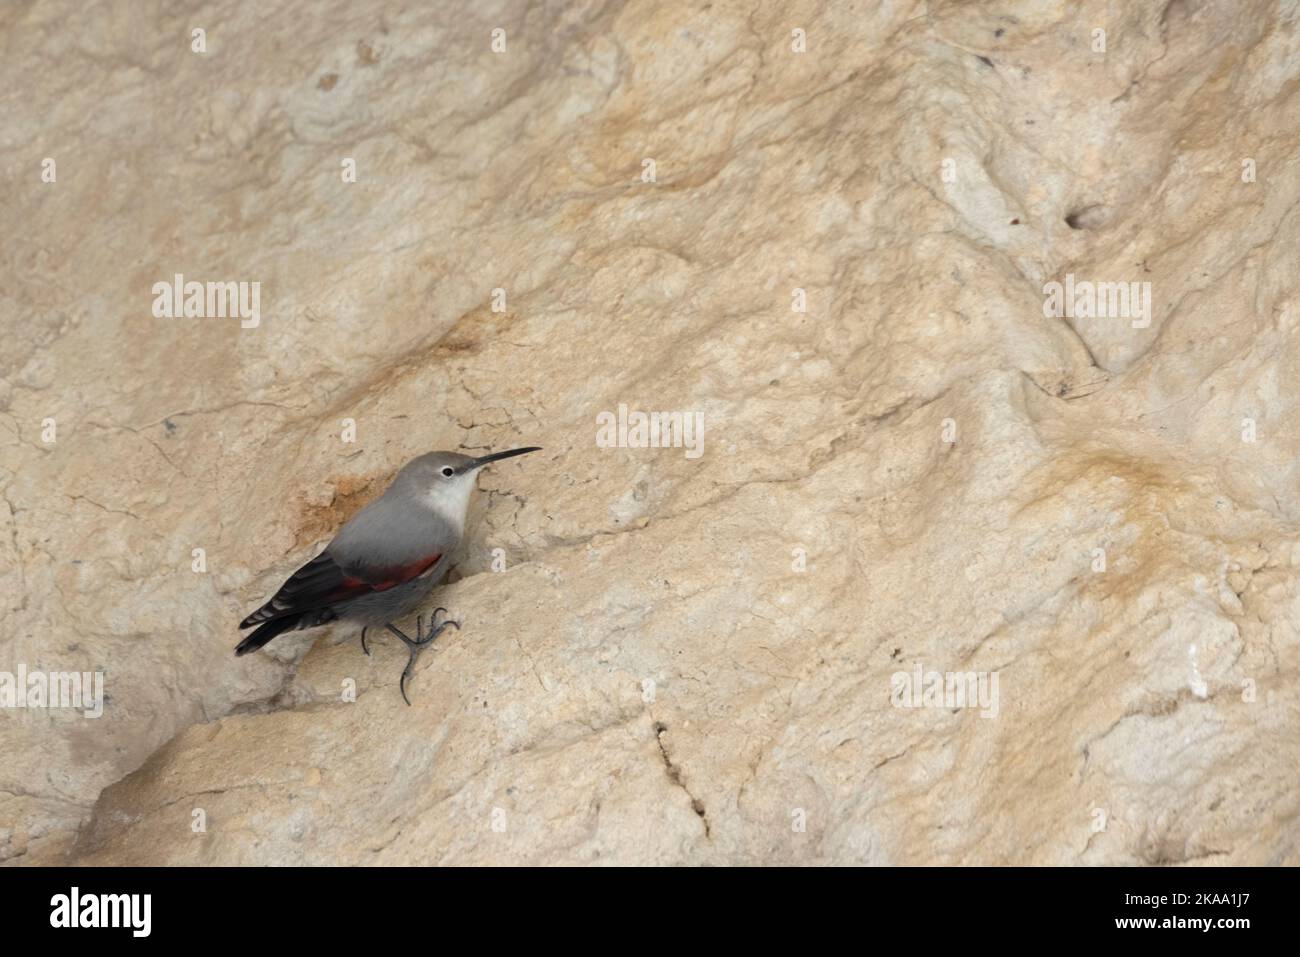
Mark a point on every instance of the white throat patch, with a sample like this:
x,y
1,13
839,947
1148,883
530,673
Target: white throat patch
x,y
450,497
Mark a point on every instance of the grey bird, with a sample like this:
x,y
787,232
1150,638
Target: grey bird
x,y
384,561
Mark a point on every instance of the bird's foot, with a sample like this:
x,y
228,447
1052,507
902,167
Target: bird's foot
x,y
421,641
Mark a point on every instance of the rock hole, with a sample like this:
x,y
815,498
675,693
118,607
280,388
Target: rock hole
x,y
1086,217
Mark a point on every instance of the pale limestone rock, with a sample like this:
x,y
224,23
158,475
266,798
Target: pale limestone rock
x,y
652,679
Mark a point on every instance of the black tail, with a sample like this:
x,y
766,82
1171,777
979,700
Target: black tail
x,y
267,631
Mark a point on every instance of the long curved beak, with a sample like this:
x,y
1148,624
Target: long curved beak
x,y
497,456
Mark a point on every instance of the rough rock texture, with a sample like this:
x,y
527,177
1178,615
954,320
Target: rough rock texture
x,y
660,675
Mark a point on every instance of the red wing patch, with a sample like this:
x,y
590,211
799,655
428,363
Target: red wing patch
x,y
387,578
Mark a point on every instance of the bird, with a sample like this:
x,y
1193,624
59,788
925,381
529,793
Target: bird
x,y
384,561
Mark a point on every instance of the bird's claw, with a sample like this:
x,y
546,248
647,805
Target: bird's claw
x,y
420,643
363,643
433,619
406,673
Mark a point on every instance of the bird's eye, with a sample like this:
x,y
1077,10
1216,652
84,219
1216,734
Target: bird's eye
x,y
448,471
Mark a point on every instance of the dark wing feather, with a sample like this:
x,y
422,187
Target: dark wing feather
x,y
322,583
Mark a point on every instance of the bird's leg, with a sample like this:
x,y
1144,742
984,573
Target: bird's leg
x,y
436,628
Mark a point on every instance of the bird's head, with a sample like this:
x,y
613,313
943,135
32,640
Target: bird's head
x,y
446,479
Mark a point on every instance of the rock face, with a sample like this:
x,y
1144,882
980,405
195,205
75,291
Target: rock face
x,y
829,230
